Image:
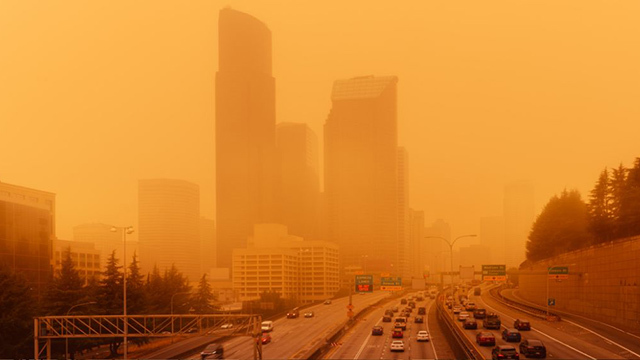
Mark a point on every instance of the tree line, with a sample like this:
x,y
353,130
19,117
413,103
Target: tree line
x,y
146,294
568,223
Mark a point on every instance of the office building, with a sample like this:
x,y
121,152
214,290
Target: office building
x,y
169,225
492,236
361,173
208,257
298,187
518,219
404,214
27,230
245,131
106,241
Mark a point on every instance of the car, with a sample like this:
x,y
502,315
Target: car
x,y
386,318
212,351
403,301
422,310
511,335
266,326
492,321
408,309
401,322
533,348
327,302
485,338
504,352
463,315
377,330
418,320
226,326
389,312
293,314
457,309
411,304
522,324
309,314
397,345
266,338
479,313
395,309
192,330
397,333
477,291
419,298
423,335
470,306
470,324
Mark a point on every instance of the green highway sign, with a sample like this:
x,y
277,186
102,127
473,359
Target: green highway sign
x,y
391,283
494,272
364,283
558,270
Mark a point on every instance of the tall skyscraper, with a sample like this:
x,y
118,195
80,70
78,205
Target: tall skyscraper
x,y
438,257
518,219
404,214
361,172
208,258
298,187
492,237
419,246
169,222
27,230
245,131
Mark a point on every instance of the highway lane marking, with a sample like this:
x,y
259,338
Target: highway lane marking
x,y
540,332
605,338
582,317
366,341
435,355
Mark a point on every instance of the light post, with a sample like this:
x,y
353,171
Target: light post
x,y
172,319
125,231
66,340
547,280
450,243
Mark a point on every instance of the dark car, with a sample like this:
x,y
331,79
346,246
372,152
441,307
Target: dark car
x,y
293,314
533,348
422,310
511,335
418,320
377,330
485,338
386,319
212,351
479,313
397,333
492,321
470,324
504,352
522,324
388,312
403,301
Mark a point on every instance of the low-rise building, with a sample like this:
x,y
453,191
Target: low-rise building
x,y
85,257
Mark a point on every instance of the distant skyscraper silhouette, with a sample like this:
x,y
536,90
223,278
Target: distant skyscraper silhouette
x,y
298,188
518,219
361,174
169,222
245,131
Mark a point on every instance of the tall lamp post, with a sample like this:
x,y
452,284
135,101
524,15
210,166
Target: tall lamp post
x,y
125,231
172,319
66,340
450,243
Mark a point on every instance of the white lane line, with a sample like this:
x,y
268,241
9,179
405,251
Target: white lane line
x,y
365,342
435,355
605,338
541,333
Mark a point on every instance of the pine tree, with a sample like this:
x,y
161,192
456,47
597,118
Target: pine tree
x,y
66,289
110,296
136,301
18,307
630,204
617,188
600,217
202,299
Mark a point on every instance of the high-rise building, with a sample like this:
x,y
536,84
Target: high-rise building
x,y
438,256
419,248
298,188
84,255
106,241
404,214
27,230
169,225
208,258
518,219
492,237
245,131
361,172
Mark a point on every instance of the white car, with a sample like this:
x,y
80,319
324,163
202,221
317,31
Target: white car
x,y
422,335
463,316
397,345
457,309
227,326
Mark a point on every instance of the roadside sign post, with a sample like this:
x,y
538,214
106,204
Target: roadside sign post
x,y
551,302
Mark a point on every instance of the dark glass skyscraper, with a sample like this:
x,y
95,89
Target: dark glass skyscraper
x,y
245,131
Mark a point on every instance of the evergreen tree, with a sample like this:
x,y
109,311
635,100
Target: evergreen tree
x,y
175,282
600,217
617,186
155,291
202,299
18,304
136,294
110,296
630,204
561,227
66,289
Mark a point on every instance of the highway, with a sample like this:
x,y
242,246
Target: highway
x,y
295,338
562,340
360,344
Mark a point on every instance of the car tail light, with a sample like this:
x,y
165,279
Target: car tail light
x,y
500,355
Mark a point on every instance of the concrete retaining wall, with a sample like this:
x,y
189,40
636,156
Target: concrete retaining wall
x,y
603,283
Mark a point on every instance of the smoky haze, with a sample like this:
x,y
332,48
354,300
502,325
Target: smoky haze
x,y
95,96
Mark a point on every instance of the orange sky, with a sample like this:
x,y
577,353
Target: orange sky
x,y
96,95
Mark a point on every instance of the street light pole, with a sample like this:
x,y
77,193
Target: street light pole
x,y
172,319
66,340
450,243
125,231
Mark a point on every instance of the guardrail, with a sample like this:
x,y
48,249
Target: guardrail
x,y
526,308
462,347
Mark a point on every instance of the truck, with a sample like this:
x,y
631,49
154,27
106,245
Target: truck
x,y
477,291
